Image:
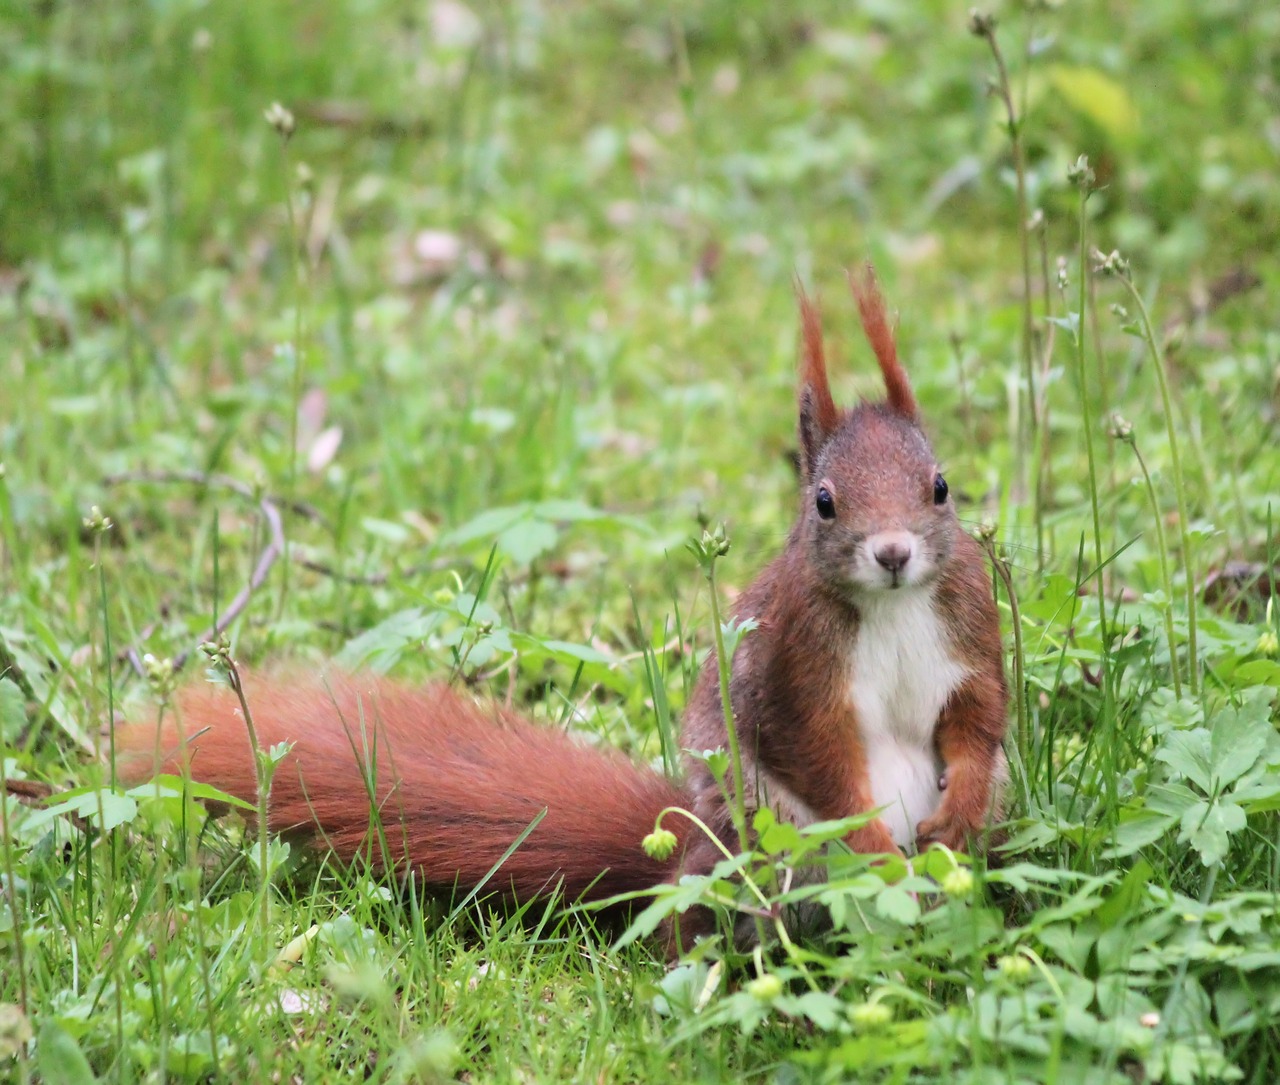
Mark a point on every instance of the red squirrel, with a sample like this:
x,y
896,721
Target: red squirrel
x,y
874,680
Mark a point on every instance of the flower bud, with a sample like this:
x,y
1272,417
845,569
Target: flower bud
x,y
870,1015
958,883
982,24
660,844
280,119
1014,967
1081,174
765,988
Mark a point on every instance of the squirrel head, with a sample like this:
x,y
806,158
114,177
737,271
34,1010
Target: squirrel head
x,y
876,514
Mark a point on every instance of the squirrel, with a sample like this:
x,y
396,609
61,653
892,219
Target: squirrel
x,y
874,680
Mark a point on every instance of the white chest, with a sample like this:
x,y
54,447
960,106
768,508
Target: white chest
x,y
901,673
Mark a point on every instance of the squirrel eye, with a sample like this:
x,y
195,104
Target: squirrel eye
x,y
939,489
825,504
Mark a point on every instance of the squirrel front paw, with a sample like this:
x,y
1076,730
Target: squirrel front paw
x,y
873,838
946,830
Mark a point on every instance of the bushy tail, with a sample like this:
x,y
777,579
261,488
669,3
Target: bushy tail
x,y
454,783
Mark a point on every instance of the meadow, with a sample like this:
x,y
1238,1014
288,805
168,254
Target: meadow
x,y
423,337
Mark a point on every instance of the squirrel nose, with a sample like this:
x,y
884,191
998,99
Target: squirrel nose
x,y
893,555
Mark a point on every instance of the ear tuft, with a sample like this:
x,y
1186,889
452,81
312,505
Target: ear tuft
x,y
818,415
875,324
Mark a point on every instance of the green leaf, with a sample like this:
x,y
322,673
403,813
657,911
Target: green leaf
x,y
1261,796
825,1011
681,989
380,647
166,786
1098,97
567,511
1189,754
895,903
1031,834
470,609
59,1058
1024,876
13,709
1237,738
387,530
666,900
486,526
1125,899
190,1056
733,631
777,837
102,806
529,529
1208,826
1136,830
1172,799
1257,672
528,539
32,653
112,809
562,650
596,667
1069,323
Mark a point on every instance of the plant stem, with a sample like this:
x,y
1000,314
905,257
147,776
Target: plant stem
x,y
264,793
1044,465
1085,402
10,882
206,978
1162,548
1028,428
1005,90
737,801
1001,568
297,263
113,840
1188,562
716,842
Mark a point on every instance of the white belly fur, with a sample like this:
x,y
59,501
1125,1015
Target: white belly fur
x,y
901,675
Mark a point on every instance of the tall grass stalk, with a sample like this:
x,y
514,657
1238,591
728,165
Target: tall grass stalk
x,y
1122,430
282,120
655,680
162,678
18,927
100,525
219,652
1116,265
1048,340
1083,176
984,26
1001,568
715,545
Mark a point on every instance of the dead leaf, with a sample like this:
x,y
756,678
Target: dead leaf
x,y
323,449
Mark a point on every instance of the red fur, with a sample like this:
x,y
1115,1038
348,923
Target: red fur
x,y
813,367
875,323
454,783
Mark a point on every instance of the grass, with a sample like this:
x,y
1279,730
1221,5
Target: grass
x,y
503,322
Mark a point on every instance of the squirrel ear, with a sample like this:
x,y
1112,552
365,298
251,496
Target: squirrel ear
x,y
818,414
875,324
